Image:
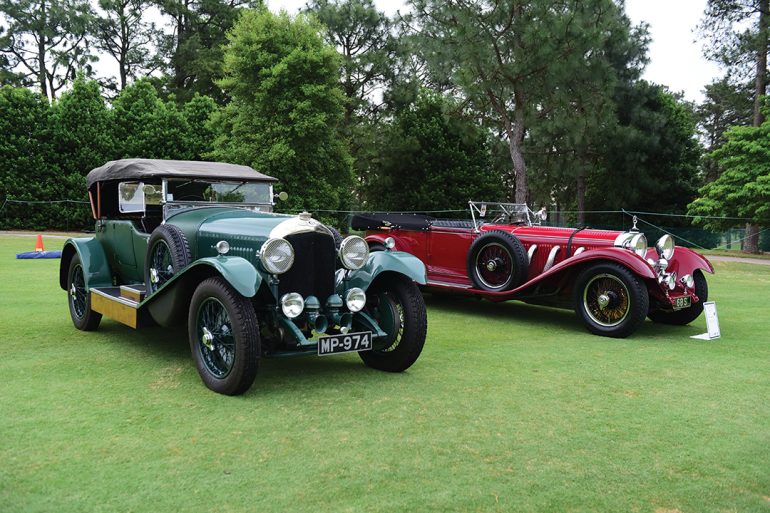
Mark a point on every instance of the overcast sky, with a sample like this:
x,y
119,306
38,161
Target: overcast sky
x,y
676,59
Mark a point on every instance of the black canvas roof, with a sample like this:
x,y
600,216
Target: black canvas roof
x,y
375,220
138,169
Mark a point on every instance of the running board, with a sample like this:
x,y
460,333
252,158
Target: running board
x,y
448,285
110,302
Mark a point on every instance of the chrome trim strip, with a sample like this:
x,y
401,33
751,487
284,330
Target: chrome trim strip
x,y
531,252
551,258
117,299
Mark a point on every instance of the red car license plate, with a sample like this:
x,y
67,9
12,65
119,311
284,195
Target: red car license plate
x,y
348,343
682,302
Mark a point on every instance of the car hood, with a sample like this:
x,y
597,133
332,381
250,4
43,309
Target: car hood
x,y
245,230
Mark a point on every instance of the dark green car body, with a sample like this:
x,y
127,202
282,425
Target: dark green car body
x,y
118,271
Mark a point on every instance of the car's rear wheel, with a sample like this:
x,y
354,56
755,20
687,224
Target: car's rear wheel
x,y
79,298
689,314
224,337
610,300
497,261
168,252
399,309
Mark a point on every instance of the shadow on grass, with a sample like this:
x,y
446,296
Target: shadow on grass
x,y
533,316
170,345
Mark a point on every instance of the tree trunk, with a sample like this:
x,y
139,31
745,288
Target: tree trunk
x,y
42,71
760,82
580,187
516,138
752,231
751,243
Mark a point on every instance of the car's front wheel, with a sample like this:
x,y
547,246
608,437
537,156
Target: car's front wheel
x,y
610,300
224,337
399,309
83,317
689,314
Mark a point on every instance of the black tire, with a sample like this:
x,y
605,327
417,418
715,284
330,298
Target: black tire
x,y
224,337
337,237
687,315
497,261
79,300
398,307
624,294
168,252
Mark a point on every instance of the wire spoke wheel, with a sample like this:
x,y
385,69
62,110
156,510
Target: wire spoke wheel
x,y
161,267
389,315
79,297
606,300
610,299
215,338
224,340
398,309
78,293
494,266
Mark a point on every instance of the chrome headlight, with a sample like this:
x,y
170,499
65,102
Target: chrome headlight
x,y
665,247
277,256
292,304
353,252
355,299
671,281
688,281
638,244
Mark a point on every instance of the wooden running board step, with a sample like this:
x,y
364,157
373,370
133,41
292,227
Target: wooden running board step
x,y
133,292
109,301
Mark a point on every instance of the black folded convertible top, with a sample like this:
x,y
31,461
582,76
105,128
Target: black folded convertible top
x,y
375,220
138,169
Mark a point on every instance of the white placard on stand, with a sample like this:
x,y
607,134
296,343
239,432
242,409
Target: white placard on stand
x,y
712,322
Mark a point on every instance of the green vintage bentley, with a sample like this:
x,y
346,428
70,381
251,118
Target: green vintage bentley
x,y
198,242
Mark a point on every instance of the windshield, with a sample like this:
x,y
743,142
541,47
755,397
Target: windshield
x,y
504,213
207,191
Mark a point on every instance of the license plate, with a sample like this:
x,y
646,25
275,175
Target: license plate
x,y
682,302
347,343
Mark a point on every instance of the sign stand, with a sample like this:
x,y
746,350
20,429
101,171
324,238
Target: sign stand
x,y
712,322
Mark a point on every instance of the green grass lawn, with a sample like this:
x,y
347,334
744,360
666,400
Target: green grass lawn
x,y
510,407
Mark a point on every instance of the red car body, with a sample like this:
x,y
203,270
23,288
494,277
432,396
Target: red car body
x,y
557,260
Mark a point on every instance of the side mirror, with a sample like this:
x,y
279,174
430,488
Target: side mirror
x,y
283,196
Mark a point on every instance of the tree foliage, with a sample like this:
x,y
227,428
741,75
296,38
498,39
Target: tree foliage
x,y
651,156
362,35
500,56
286,107
46,41
743,188
124,35
195,47
431,160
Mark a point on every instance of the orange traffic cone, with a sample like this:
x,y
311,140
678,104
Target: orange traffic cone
x,y
39,245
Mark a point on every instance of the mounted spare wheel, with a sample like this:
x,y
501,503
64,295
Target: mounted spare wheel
x,y
168,252
497,261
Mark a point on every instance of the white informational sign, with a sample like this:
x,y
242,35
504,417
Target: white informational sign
x,y
712,322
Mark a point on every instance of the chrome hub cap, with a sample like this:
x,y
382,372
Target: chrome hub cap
x,y
603,301
207,339
491,265
153,275
73,292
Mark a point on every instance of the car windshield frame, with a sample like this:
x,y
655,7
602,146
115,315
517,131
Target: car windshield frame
x,y
502,213
175,204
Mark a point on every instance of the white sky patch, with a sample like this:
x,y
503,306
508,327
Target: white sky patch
x,y
676,53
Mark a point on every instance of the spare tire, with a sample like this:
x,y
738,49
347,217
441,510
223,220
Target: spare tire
x,y
168,252
497,261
